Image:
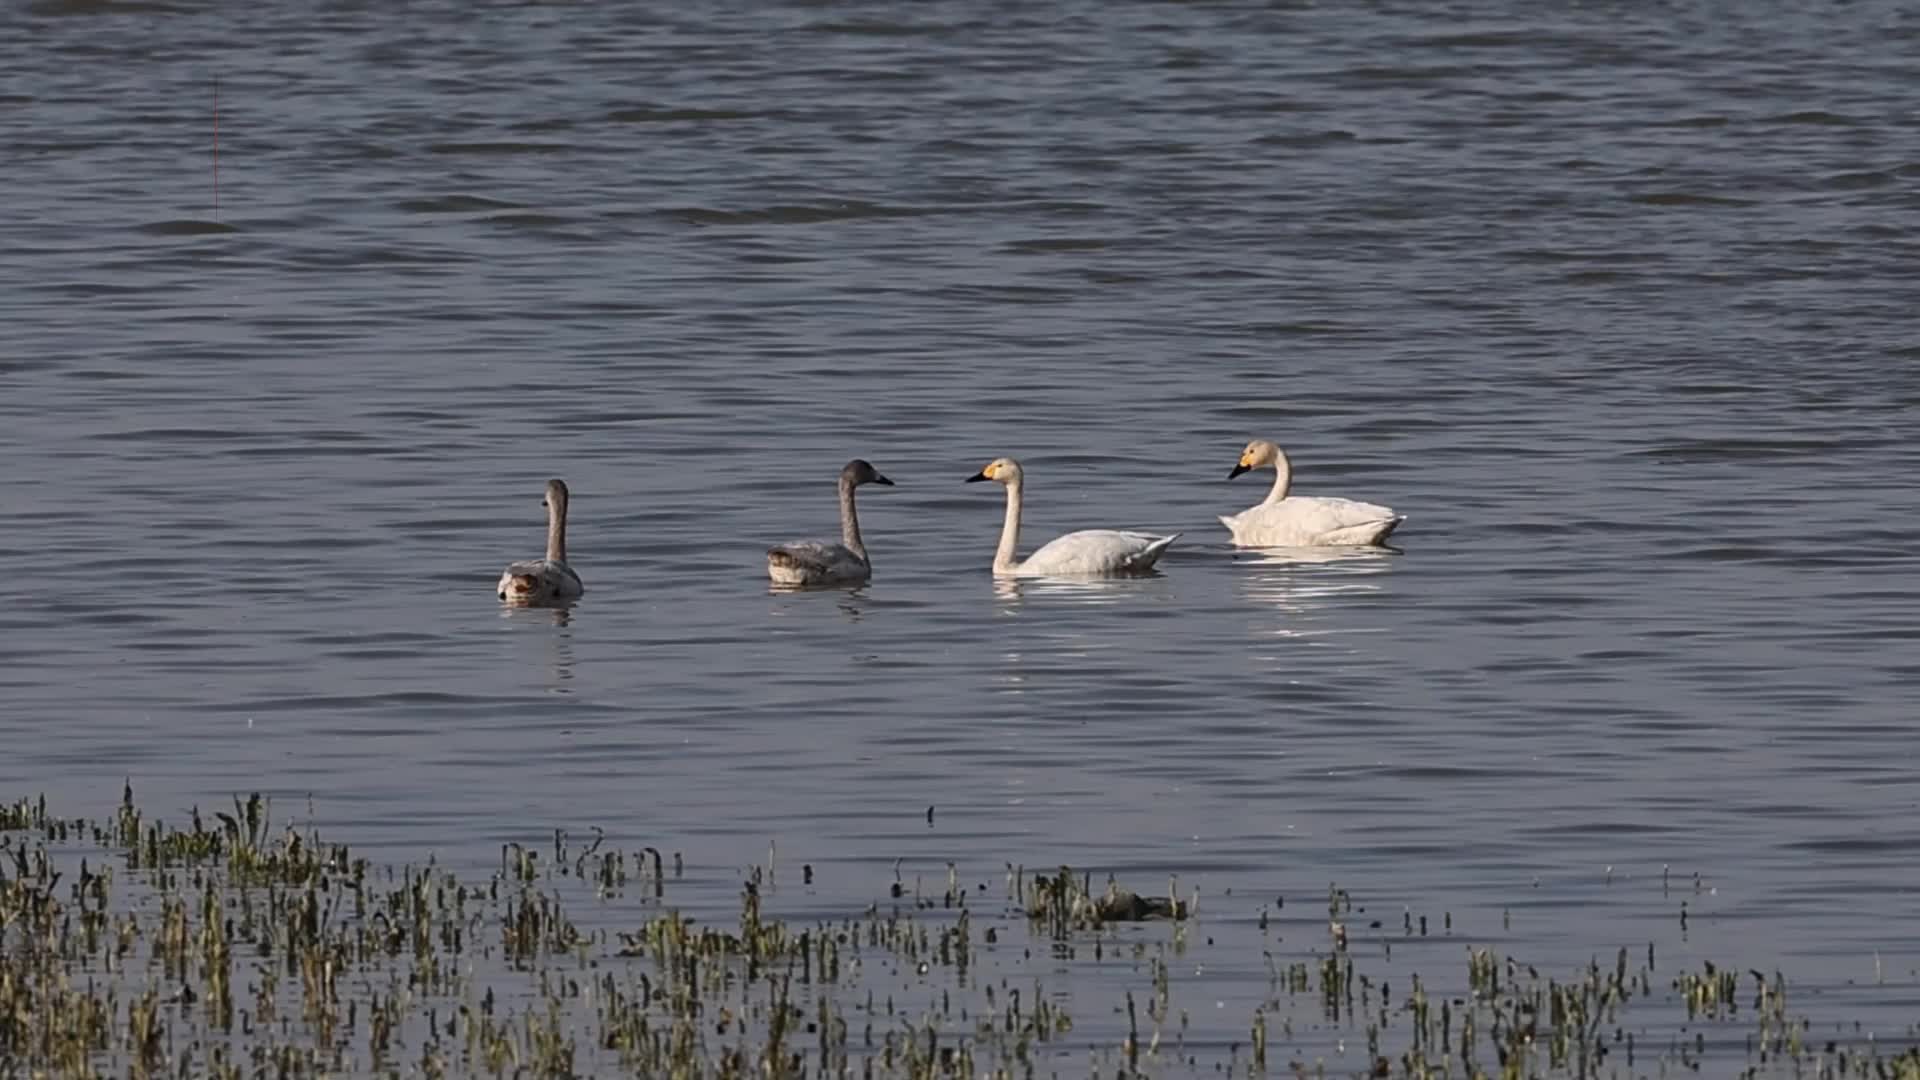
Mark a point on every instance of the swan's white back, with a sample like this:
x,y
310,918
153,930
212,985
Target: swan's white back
x,y
1096,551
1311,521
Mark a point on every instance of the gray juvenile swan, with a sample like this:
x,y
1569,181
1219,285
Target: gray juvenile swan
x,y
540,582
816,562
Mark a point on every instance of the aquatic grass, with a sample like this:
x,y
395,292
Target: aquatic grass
x,y
238,946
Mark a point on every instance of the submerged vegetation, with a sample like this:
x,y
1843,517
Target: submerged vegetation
x,y
237,947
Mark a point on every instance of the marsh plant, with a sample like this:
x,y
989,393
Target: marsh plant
x,y
233,945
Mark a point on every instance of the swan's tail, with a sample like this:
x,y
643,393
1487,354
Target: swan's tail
x,y
783,559
1376,532
1364,534
1154,550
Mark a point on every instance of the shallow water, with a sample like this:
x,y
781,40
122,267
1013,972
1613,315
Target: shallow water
x,y
1613,302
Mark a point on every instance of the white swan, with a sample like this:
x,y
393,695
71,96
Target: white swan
x,y
1302,520
1087,552
539,582
815,562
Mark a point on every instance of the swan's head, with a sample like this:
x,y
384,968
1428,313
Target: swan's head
x,y
859,472
556,496
1000,470
1258,454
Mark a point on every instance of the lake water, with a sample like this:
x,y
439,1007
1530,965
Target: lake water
x,y
1614,302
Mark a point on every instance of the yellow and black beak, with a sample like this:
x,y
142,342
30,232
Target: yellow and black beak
x,y
1238,469
979,476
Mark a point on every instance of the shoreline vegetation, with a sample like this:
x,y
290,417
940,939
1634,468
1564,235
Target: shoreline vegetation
x,y
234,946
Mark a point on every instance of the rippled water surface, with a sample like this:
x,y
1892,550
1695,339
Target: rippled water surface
x,y
1614,302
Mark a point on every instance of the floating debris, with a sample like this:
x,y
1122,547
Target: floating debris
x,y
1065,904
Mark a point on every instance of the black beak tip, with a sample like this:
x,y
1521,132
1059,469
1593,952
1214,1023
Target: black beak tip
x,y
503,596
976,478
1237,470
878,479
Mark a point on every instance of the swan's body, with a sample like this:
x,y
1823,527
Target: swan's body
x,y
1303,520
818,562
543,582
1089,552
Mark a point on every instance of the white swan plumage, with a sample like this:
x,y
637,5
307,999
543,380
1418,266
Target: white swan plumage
x,y
1089,552
548,581
819,562
1284,520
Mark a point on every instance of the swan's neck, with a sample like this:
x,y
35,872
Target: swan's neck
x,y
556,530
850,521
1008,556
1282,478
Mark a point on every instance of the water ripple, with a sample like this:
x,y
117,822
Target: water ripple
x,y
1613,303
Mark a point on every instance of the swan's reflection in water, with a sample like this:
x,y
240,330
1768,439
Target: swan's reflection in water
x,y
1303,583
1089,590
559,616
852,600
559,643
1061,644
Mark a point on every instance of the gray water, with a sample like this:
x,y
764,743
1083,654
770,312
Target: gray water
x,y
1613,301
